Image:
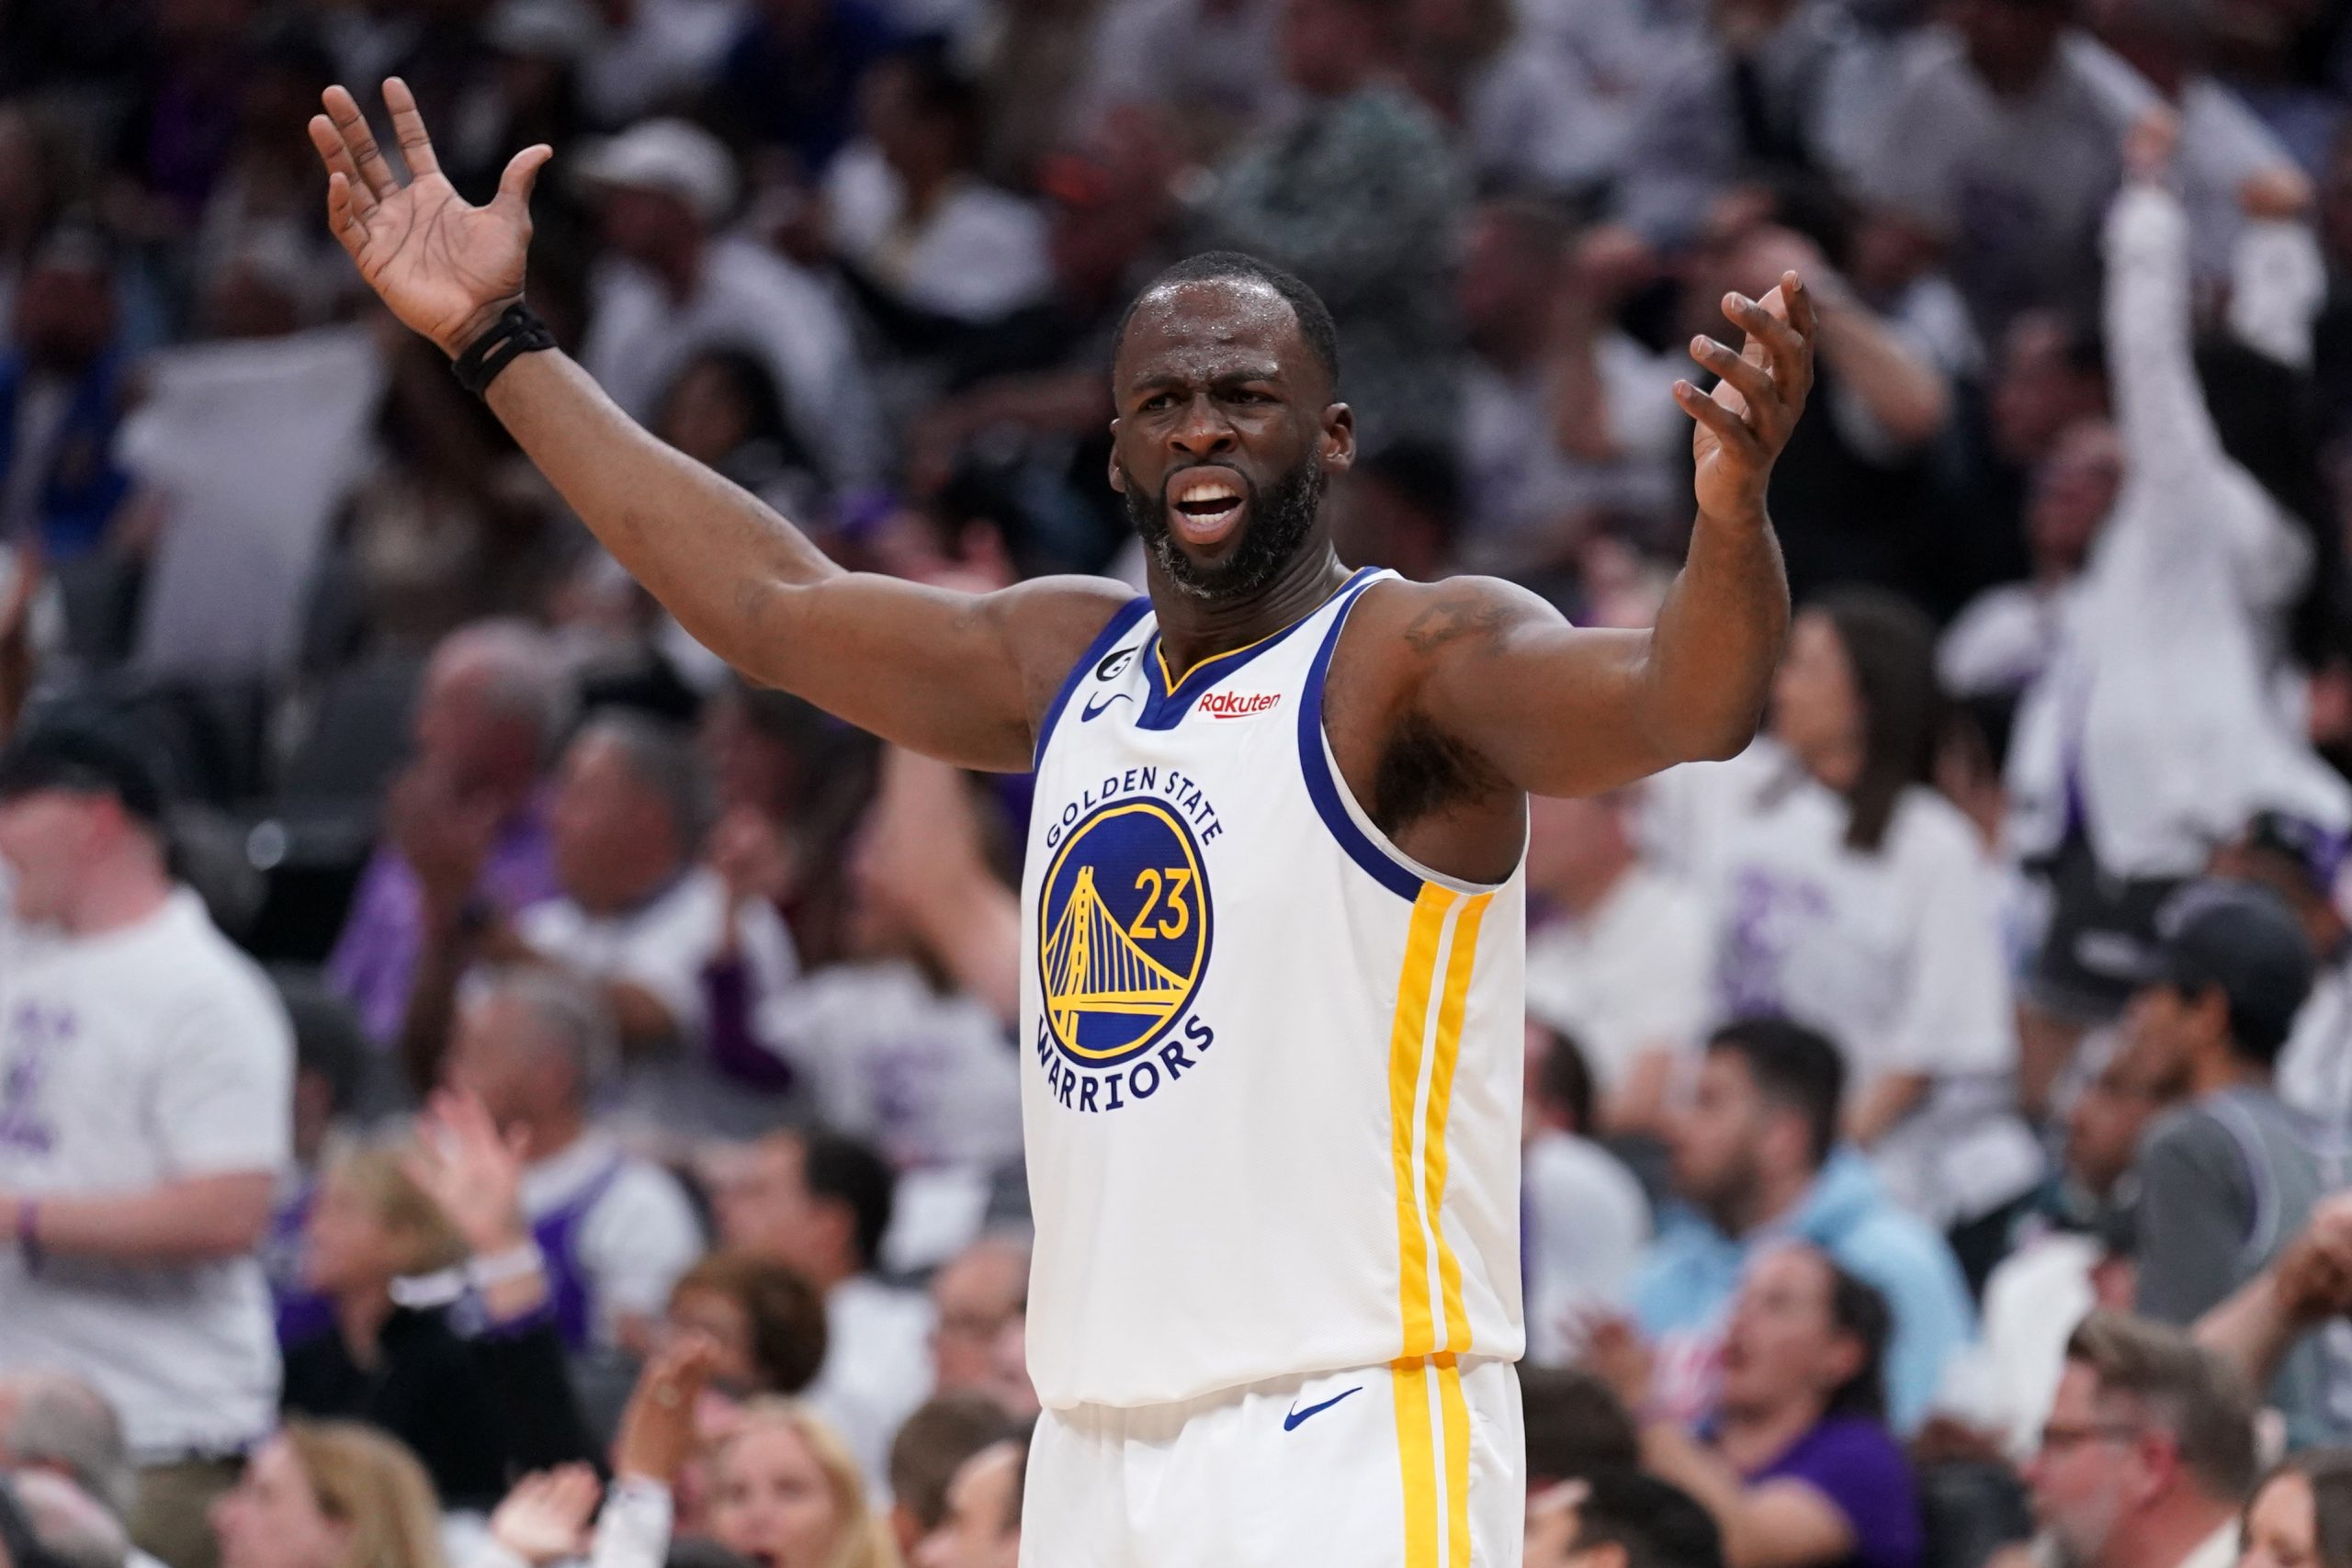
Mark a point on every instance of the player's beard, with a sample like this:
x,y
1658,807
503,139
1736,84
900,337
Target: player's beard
x,y
1279,520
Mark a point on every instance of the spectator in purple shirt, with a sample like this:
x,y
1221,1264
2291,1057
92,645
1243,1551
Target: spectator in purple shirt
x,y
493,701
1797,1466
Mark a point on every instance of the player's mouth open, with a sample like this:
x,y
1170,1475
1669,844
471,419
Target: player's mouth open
x,y
1205,504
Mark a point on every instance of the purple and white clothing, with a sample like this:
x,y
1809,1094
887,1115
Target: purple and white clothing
x,y
374,962
663,946
1859,1469
1896,955
144,1055
616,1230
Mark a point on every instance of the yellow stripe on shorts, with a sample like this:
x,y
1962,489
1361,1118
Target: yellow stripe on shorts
x,y
1428,1544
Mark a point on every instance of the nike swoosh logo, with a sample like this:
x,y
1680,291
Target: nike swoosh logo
x,y
1098,706
1291,1421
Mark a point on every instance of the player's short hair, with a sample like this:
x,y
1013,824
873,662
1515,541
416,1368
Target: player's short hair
x,y
837,1166
933,1445
1655,1524
2186,1391
1794,1067
1576,1426
1314,317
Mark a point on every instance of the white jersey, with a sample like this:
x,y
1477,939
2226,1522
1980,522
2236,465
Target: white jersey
x,y
1271,1083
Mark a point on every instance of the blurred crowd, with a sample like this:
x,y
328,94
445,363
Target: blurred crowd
x,y
479,1085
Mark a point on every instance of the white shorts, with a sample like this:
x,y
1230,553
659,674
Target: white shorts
x,y
1421,1464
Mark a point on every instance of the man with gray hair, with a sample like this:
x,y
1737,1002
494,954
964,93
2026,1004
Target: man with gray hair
x,y
53,1421
532,1042
2148,1452
72,1527
638,916
466,822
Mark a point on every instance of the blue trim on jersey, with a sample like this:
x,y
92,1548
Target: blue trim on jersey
x,y
1323,787
1125,617
1165,709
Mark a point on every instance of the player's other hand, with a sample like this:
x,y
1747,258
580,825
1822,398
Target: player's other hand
x,y
446,269
1761,390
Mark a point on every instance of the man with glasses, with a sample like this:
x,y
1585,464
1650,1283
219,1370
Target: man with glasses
x,y
2148,1454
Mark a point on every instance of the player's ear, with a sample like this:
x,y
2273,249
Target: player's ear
x,y
1338,443
1118,474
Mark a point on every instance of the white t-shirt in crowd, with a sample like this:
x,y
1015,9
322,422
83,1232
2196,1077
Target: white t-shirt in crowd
x,y
1629,975
1583,1230
140,1056
637,1237
661,947
748,298
878,1368
930,1079
2002,640
977,255
2032,1302
1895,955
2315,1067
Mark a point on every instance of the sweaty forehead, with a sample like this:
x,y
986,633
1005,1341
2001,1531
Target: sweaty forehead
x,y
1210,327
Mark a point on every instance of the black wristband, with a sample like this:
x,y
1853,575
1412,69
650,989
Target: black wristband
x,y
515,334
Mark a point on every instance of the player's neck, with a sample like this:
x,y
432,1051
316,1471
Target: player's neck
x,y
1193,629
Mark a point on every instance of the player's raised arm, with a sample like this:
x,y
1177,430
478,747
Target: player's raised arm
x,y
1559,710
958,676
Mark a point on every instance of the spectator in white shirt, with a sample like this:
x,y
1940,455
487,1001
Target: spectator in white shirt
x,y
639,918
1583,1219
145,1096
1853,897
616,1232
673,286
1618,956
2165,720
2008,635
821,1203
1559,405
910,213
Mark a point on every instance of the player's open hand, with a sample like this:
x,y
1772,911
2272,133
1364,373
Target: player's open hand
x,y
446,269
1744,423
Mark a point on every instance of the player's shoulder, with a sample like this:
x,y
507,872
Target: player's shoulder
x,y
1427,619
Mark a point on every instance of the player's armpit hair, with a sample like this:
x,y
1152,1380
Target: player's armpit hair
x,y
1424,770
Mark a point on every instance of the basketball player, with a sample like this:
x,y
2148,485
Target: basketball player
x,y
1274,930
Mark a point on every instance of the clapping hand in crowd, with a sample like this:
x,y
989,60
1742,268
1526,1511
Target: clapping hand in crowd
x,y
1552,1525
659,1432
474,1172
547,1518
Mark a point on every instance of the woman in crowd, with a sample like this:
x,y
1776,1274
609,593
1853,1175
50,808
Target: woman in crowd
x,y
329,1495
1850,896
766,1322
1797,1466
2302,1514
785,1493
477,1408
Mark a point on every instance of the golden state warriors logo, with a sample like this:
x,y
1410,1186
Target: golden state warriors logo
x,y
1123,930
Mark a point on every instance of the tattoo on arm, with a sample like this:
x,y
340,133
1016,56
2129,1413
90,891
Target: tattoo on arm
x,y
1462,618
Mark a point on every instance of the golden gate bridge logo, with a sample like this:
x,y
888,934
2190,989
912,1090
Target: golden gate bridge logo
x,y
1124,930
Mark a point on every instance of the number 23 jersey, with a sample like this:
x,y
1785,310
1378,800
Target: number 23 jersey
x,y
1271,1068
